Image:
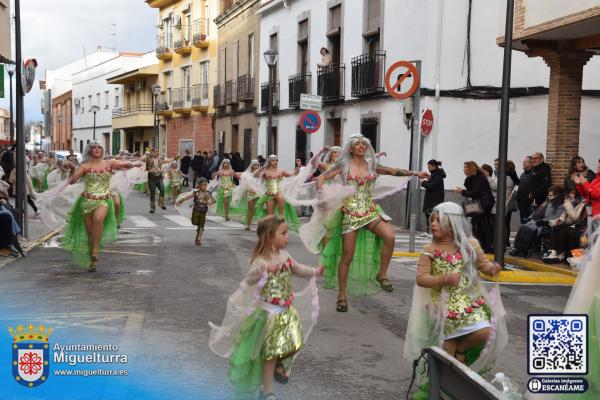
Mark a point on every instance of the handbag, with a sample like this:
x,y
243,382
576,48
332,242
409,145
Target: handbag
x,y
511,204
472,207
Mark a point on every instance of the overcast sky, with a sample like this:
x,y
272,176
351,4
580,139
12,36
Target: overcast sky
x,y
55,33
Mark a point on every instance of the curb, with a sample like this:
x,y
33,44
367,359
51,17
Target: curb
x,y
540,266
41,240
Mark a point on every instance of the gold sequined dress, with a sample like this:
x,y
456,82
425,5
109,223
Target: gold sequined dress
x,y
360,209
226,185
272,186
97,189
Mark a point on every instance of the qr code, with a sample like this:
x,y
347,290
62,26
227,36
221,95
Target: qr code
x,y
557,344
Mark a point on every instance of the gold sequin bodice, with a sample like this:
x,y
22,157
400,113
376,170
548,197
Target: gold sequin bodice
x,y
226,182
278,284
361,202
97,183
465,304
272,185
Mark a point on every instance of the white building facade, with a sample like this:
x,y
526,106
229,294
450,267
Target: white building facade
x,y
460,79
92,92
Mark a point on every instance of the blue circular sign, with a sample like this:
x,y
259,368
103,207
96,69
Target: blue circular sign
x,y
310,121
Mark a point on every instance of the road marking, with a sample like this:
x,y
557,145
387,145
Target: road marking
x,y
221,220
141,222
127,252
179,220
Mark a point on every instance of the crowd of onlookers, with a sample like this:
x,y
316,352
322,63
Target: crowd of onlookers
x,y
555,220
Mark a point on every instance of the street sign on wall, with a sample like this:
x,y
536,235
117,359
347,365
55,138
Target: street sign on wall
x,y
427,122
310,121
310,102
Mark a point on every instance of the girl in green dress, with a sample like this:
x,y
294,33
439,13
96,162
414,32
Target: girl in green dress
x,y
266,323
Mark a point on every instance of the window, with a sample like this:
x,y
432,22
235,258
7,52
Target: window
x,y
303,47
98,99
90,102
169,79
236,59
106,99
251,54
188,26
116,97
204,72
274,44
187,82
207,15
369,128
372,25
224,65
334,33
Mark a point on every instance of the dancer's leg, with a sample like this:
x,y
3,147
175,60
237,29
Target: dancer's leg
x,y
348,245
117,202
280,203
474,338
250,215
384,230
226,207
270,206
161,197
152,188
97,226
267,376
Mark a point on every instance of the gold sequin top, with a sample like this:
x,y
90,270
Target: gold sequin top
x,y
465,304
226,184
97,189
272,185
359,209
278,287
174,178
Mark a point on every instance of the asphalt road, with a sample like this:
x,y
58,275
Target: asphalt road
x,y
156,290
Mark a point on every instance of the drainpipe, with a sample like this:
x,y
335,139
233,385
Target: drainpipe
x,y
439,12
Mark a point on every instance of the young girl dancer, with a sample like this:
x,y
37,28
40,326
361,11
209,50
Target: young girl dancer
x,y
266,324
226,187
174,178
202,200
245,195
451,308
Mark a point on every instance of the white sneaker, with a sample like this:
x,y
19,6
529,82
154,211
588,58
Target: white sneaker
x,y
553,257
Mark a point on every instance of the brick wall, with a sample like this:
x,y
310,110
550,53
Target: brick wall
x,y
196,127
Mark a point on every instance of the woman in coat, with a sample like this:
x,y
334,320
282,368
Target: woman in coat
x,y
477,188
434,188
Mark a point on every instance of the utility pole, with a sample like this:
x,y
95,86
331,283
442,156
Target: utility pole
x,y
414,190
20,153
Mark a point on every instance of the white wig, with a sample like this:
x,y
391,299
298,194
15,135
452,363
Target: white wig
x,y
345,158
87,154
332,150
252,163
451,217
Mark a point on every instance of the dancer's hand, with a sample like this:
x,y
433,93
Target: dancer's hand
x,y
452,279
423,174
494,269
319,270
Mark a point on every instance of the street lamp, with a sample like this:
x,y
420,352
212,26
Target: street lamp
x,y
155,92
10,68
271,59
95,109
59,119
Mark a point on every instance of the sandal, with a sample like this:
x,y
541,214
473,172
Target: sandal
x,y
280,374
268,396
198,242
341,305
93,262
385,283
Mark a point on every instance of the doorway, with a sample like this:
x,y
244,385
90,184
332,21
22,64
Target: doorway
x,y
369,128
301,144
247,147
234,138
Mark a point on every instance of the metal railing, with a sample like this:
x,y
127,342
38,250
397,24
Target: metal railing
x,y
230,92
218,96
182,98
264,96
162,102
245,88
368,74
200,95
330,83
298,84
164,43
181,43
132,110
200,30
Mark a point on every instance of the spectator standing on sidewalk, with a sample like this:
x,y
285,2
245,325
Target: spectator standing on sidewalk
x,y
434,188
197,163
214,164
541,176
578,167
590,191
184,167
523,199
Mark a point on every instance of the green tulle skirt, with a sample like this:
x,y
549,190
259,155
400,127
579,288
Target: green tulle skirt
x,y
76,239
365,263
237,211
36,182
120,217
245,363
289,212
140,187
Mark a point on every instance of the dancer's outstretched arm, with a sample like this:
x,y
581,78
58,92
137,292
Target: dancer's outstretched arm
x,y
382,170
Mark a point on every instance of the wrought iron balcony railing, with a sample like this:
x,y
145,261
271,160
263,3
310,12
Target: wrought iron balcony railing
x,y
368,74
330,83
132,110
230,92
200,30
264,96
164,44
200,95
298,84
163,102
245,88
218,96
182,98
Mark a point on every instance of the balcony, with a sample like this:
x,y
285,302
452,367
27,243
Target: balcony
x,y
298,84
245,88
164,43
330,83
140,115
200,97
218,96
182,100
163,106
182,46
200,30
368,74
230,92
264,96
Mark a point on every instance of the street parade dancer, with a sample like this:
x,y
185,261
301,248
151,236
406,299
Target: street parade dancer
x,y
39,172
202,200
154,167
265,323
92,220
451,308
226,185
246,196
361,239
174,180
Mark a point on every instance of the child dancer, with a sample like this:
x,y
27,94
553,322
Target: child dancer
x,y
202,200
451,308
174,177
262,330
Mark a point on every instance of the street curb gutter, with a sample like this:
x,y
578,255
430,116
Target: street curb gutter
x,y
41,240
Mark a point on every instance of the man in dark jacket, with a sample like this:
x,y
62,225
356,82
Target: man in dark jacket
x,y
184,167
196,164
541,178
523,198
434,188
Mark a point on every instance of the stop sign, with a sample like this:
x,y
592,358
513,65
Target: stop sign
x,y
427,122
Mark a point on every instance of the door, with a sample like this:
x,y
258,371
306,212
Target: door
x,y
301,144
369,129
247,147
273,149
234,138
116,141
186,145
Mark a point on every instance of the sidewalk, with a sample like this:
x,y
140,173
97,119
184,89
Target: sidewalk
x,y
37,232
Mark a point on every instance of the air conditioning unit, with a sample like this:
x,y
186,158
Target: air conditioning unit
x,y
129,88
141,84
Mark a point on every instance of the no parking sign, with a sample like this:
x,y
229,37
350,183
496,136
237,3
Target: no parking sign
x,y
310,121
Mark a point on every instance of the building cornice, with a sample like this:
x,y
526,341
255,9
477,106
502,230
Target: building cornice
x,y
234,10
